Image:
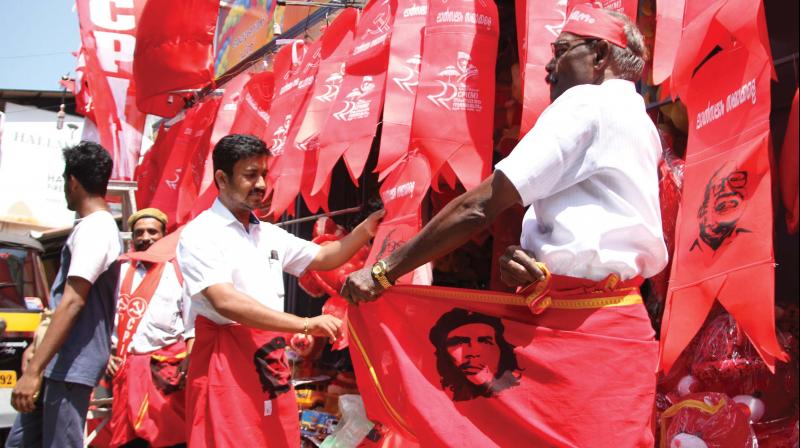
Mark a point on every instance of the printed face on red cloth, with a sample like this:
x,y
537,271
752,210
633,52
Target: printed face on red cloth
x,y
723,205
472,355
272,367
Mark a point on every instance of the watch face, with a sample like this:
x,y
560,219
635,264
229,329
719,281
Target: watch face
x,y
376,270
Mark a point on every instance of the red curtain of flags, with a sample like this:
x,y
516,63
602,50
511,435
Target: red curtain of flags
x,y
323,102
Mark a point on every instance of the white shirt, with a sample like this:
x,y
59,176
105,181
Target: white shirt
x,y
215,248
93,244
588,170
166,320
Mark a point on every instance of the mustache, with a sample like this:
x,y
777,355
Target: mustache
x,y
259,191
469,364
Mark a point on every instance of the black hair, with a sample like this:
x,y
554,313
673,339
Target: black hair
x,y
235,147
90,164
451,377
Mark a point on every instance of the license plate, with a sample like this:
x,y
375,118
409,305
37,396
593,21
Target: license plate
x,y
8,379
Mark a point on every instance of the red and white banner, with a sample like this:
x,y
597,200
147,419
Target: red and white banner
x,y
335,45
461,367
723,244
539,23
108,39
227,117
350,129
290,102
182,173
174,51
628,7
454,110
405,59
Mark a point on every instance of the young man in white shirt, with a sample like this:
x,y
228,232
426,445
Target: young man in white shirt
x,y
238,383
53,393
588,172
154,337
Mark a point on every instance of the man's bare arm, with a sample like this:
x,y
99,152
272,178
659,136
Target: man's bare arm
x,y
239,307
72,302
453,226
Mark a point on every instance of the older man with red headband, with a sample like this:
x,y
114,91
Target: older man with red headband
x,y
587,171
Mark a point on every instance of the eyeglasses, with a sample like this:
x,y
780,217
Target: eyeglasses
x,y
562,47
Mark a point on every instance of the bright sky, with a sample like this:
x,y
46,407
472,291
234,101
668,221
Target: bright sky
x,y
36,41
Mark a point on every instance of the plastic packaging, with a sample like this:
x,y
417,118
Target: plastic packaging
x,y
352,427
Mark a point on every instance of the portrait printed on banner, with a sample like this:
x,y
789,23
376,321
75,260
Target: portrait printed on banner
x,y
473,357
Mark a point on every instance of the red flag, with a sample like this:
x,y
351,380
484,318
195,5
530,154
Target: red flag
x,y
723,245
789,167
174,51
627,7
351,127
292,98
402,194
541,22
149,172
186,157
252,108
721,23
455,96
226,118
669,25
108,41
458,367
402,79
335,44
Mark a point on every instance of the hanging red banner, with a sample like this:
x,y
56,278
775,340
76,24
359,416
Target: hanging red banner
x,y
405,50
174,51
789,167
402,194
148,173
669,26
335,44
350,129
187,155
108,39
540,24
721,23
723,244
286,170
252,110
461,367
628,7
455,97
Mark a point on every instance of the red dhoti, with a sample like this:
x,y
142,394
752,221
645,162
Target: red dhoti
x,y
239,392
577,365
149,398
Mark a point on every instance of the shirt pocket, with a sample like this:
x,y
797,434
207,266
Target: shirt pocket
x,y
276,272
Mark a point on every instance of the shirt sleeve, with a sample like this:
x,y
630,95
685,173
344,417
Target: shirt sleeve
x,y
298,253
551,157
95,245
202,263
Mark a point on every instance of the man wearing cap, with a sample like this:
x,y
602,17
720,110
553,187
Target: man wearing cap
x,y
588,173
153,339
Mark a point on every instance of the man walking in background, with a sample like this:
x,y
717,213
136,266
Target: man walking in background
x,y
53,393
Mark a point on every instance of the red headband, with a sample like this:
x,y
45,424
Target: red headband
x,y
586,20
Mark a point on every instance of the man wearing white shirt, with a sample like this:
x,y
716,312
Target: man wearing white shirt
x,y
153,340
238,383
588,173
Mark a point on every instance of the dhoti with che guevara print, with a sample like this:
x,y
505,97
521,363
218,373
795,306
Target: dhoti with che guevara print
x,y
239,392
570,365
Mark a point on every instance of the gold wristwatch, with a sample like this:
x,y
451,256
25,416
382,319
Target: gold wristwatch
x,y
379,274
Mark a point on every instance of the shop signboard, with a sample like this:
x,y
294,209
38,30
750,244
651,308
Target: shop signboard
x,y
243,27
